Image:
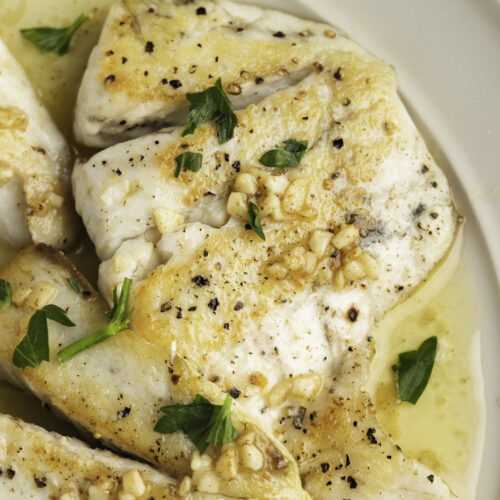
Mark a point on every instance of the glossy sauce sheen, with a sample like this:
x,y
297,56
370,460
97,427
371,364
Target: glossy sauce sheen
x,y
443,430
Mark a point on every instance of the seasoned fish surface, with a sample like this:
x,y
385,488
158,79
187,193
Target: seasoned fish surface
x,y
287,321
116,389
34,166
38,464
151,54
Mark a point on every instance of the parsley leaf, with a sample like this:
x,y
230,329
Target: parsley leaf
x,y
34,347
5,293
254,220
55,313
189,161
288,156
75,285
53,39
414,369
212,104
120,320
203,422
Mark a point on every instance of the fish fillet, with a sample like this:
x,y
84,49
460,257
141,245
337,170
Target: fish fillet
x,y
150,54
35,162
115,391
37,464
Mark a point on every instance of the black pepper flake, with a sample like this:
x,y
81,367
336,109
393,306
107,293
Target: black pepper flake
x,y
259,80
279,34
175,84
226,326
110,79
164,81
151,10
235,393
424,169
200,281
328,483
370,435
205,253
239,305
352,314
175,378
192,308
179,313
41,482
325,467
434,215
86,293
124,60
239,30
352,482
11,473
236,165
123,413
338,74
338,467
430,477
213,304
201,11
150,46
338,143
297,421
122,122
434,184
165,307
355,423
347,460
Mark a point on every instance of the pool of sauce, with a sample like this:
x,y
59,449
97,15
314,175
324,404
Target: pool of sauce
x,y
443,430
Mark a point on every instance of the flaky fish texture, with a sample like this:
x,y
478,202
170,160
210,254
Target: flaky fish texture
x,y
40,465
35,162
116,389
151,54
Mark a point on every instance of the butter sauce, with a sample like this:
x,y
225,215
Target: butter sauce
x,y
444,429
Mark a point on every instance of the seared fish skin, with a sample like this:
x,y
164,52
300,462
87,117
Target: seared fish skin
x,y
116,389
37,464
151,54
34,167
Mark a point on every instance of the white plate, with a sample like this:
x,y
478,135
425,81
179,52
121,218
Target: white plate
x,y
447,56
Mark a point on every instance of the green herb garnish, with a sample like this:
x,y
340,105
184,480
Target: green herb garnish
x,y
203,422
189,161
120,320
53,39
34,347
288,156
414,369
254,220
211,104
75,285
5,293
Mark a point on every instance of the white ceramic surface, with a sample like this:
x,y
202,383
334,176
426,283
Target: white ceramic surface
x,y
447,56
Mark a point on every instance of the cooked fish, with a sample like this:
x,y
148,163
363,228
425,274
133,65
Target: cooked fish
x,y
34,166
45,465
349,233
151,54
116,389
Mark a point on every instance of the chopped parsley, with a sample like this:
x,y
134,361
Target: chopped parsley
x,y
254,220
188,161
203,422
212,104
119,321
74,285
414,369
5,293
289,155
34,347
53,39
